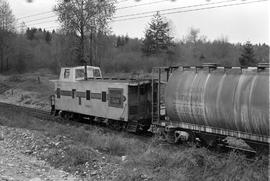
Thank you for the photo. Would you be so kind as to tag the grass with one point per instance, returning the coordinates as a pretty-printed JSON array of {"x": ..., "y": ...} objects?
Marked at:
[
  {"x": 84, "y": 146},
  {"x": 152, "y": 161},
  {"x": 193, "y": 164}
]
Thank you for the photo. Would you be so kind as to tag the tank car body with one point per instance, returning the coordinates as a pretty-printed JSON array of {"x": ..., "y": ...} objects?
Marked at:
[
  {"x": 104, "y": 99},
  {"x": 226, "y": 102}
]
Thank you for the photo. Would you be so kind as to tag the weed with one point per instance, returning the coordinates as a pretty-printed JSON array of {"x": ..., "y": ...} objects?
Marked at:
[{"x": 145, "y": 160}]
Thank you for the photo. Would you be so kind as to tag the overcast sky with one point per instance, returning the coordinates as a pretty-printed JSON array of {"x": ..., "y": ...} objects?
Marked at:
[{"x": 241, "y": 23}]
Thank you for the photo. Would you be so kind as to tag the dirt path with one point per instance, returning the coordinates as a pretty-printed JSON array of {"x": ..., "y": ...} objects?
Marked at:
[{"x": 15, "y": 165}]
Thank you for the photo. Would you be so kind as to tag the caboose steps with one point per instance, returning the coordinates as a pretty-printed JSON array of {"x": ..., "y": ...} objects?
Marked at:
[{"x": 132, "y": 126}]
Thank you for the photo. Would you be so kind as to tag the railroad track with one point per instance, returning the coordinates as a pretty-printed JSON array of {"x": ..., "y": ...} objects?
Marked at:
[
  {"x": 38, "y": 113},
  {"x": 86, "y": 124},
  {"x": 3, "y": 88},
  {"x": 46, "y": 115}
]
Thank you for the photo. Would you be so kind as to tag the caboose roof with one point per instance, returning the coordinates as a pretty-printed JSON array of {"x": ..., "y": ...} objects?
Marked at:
[
  {"x": 130, "y": 82},
  {"x": 80, "y": 67}
]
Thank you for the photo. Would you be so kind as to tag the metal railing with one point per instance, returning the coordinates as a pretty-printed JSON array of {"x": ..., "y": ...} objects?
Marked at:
[{"x": 158, "y": 80}]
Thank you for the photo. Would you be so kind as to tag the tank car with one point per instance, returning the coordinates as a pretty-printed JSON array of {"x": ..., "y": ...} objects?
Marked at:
[{"x": 211, "y": 103}]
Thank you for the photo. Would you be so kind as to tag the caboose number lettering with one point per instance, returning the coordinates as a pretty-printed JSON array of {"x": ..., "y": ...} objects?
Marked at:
[{"x": 116, "y": 97}]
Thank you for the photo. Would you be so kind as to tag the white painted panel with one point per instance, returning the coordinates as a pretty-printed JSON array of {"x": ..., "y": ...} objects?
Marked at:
[{"x": 93, "y": 107}]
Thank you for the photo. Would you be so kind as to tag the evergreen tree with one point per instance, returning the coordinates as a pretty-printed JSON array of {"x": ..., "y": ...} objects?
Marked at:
[
  {"x": 30, "y": 33},
  {"x": 48, "y": 37},
  {"x": 126, "y": 39},
  {"x": 247, "y": 57},
  {"x": 119, "y": 42},
  {"x": 157, "y": 36}
]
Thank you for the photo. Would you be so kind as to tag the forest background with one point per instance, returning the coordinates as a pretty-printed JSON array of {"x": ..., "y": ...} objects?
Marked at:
[{"x": 27, "y": 49}]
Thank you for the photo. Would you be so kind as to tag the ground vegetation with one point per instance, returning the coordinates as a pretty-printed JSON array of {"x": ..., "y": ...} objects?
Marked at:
[{"x": 95, "y": 154}]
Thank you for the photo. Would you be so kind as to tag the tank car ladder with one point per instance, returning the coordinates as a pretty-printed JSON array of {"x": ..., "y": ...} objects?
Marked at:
[
  {"x": 155, "y": 97},
  {"x": 156, "y": 91}
]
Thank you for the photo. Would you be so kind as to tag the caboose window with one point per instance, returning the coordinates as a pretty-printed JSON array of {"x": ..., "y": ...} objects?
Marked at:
[
  {"x": 73, "y": 93},
  {"x": 79, "y": 73},
  {"x": 96, "y": 73},
  {"x": 58, "y": 92},
  {"x": 66, "y": 73},
  {"x": 88, "y": 93},
  {"x": 103, "y": 97}
]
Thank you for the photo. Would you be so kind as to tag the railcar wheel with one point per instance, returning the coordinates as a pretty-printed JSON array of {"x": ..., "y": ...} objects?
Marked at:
[
  {"x": 56, "y": 112},
  {"x": 63, "y": 114},
  {"x": 66, "y": 115},
  {"x": 161, "y": 134},
  {"x": 144, "y": 128},
  {"x": 143, "y": 125},
  {"x": 116, "y": 125},
  {"x": 170, "y": 135},
  {"x": 209, "y": 141},
  {"x": 77, "y": 117}
]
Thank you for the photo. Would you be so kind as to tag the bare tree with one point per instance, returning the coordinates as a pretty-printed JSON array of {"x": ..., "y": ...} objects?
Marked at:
[
  {"x": 85, "y": 18},
  {"x": 7, "y": 21},
  {"x": 222, "y": 47},
  {"x": 193, "y": 35}
]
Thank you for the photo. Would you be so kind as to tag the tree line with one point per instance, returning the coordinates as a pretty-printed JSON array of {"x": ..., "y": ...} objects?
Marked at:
[{"x": 85, "y": 37}]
